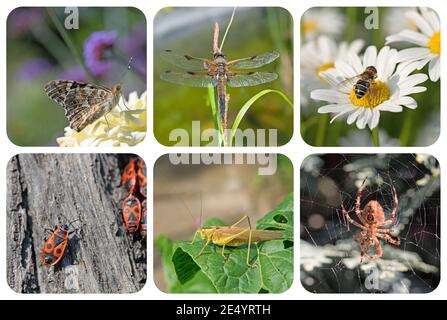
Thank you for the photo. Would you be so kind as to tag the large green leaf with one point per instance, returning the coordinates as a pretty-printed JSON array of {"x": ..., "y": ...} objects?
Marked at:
[{"x": 273, "y": 259}]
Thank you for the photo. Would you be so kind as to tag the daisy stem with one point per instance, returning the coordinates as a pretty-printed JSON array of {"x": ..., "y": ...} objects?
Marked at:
[
  {"x": 375, "y": 136},
  {"x": 405, "y": 132},
  {"x": 70, "y": 44},
  {"x": 321, "y": 131}
]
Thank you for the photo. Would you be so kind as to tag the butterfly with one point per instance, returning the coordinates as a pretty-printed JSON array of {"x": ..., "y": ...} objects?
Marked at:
[{"x": 83, "y": 102}]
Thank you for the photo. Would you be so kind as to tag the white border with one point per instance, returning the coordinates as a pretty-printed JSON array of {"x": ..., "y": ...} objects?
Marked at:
[{"x": 150, "y": 149}]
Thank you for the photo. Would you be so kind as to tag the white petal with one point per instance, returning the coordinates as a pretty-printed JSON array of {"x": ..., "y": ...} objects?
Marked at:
[
  {"x": 370, "y": 57},
  {"x": 363, "y": 118},
  {"x": 413, "y": 80},
  {"x": 329, "y": 95},
  {"x": 408, "y": 36},
  {"x": 389, "y": 106},
  {"x": 434, "y": 69},
  {"x": 412, "y": 90},
  {"x": 345, "y": 69},
  {"x": 408, "y": 102},
  {"x": 421, "y": 23},
  {"x": 334, "y": 108},
  {"x": 347, "y": 110},
  {"x": 353, "y": 116},
  {"x": 327, "y": 48},
  {"x": 413, "y": 54},
  {"x": 374, "y": 119},
  {"x": 432, "y": 18}
]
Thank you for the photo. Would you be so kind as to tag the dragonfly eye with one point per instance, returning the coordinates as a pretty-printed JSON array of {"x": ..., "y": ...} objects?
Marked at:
[{"x": 219, "y": 54}]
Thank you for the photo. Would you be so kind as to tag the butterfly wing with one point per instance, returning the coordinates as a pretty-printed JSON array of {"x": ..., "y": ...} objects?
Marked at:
[{"x": 83, "y": 103}]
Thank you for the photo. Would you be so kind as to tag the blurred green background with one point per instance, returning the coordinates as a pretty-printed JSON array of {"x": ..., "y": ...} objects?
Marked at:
[
  {"x": 419, "y": 127},
  {"x": 37, "y": 53},
  {"x": 254, "y": 30}
]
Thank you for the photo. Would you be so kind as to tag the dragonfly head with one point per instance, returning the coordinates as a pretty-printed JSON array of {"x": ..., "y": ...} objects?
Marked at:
[{"x": 219, "y": 54}]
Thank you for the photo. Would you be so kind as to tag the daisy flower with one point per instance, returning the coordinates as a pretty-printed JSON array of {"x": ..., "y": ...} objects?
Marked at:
[
  {"x": 428, "y": 40},
  {"x": 319, "y": 55},
  {"x": 396, "y": 20},
  {"x": 316, "y": 21},
  {"x": 390, "y": 91},
  {"x": 123, "y": 127}
]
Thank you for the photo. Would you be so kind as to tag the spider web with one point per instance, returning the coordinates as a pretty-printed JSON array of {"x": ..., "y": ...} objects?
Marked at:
[{"x": 330, "y": 258}]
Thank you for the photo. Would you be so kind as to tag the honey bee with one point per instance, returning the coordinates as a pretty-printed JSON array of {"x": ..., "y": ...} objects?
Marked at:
[{"x": 362, "y": 82}]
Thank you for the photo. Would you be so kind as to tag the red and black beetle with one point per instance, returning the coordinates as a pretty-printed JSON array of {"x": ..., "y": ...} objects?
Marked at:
[
  {"x": 142, "y": 179},
  {"x": 143, "y": 224},
  {"x": 55, "y": 245},
  {"x": 129, "y": 177},
  {"x": 132, "y": 213}
]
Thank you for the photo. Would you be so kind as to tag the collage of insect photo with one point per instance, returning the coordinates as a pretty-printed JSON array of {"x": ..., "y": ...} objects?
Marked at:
[{"x": 174, "y": 153}]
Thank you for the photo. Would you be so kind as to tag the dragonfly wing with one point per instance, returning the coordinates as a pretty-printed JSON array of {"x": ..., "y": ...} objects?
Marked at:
[
  {"x": 254, "y": 61},
  {"x": 192, "y": 79},
  {"x": 186, "y": 61},
  {"x": 250, "y": 79}
]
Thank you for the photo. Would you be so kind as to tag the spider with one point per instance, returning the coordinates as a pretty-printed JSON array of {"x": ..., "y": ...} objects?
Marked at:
[{"x": 372, "y": 219}]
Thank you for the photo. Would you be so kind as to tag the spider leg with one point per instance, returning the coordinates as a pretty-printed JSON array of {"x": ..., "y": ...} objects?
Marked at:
[
  {"x": 358, "y": 211},
  {"x": 390, "y": 230},
  {"x": 393, "y": 213},
  {"x": 378, "y": 249},
  {"x": 350, "y": 220},
  {"x": 389, "y": 239}
]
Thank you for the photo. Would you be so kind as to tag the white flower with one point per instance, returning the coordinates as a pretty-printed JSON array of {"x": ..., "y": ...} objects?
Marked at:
[
  {"x": 428, "y": 40},
  {"x": 125, "y": 125},
  {"x": 356, "y": 138},
  {"x": 316, "y": 21},
  {"x": 319, "y": 55},
  {"x": 389, "y": 92},
  {"x": 396, "y": 20}
]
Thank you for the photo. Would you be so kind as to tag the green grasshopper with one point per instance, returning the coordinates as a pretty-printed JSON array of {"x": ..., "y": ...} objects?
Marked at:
[{"x": 234, "y": 236}]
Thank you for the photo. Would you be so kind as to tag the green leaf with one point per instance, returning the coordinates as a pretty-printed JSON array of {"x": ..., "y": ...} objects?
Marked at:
[
  {"x": 199, "y": 283},
  {"x": 281, "y": 218},
  {"x": 273, "y": 259}
]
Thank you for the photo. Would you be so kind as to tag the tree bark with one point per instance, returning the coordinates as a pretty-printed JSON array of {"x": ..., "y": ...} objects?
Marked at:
[{"x": 45, "y": 190}]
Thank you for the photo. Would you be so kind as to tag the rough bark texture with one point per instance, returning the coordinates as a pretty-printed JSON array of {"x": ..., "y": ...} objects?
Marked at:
[{"x": 53, "y": 189}]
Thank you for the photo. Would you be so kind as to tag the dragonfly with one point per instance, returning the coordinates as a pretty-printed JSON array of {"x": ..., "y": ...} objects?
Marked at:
[{"x": 218, "y": 72}]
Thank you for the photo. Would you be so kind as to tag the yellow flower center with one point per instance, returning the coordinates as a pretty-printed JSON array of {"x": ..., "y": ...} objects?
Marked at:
[
  {"x": 434, "y": 44},
  {"x": 310, "y": 26},
  {"x": 324, "y": 67},
  {"x": 377, "y": 93}
]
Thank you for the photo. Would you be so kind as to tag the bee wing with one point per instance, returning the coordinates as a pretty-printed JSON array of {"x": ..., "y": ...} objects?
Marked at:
[{"x": 347, "y": 84}]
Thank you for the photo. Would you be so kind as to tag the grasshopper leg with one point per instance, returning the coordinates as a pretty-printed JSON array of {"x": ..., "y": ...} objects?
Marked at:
[
  {"x": 223, "y": 253},
  {"x": 203, "y": 249}
]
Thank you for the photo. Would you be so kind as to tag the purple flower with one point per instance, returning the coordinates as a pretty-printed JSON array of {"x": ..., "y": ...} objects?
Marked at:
[
  {"x": 22, "y": 20},
  {"x": 76, "y": 73},
  {"x": 134, "y": 45},
  {"x": 97, "y": 51},
  {"x": 34, "y": 67}
]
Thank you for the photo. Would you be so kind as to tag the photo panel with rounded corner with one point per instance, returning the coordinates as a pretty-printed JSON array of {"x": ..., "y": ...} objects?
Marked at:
[
  {"x": 224, "y": 80},
  {"x": 76, "y": 76},
  {"x": 370, "y": 76},
  {"x": 370, "y": 223},
  {"x": 223, "y": 223},
  {"x": 76, "y": 223}
]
